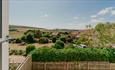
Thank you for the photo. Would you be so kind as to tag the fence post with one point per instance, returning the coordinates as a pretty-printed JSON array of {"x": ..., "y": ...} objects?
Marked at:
[
  {"x": 67, "y": 65},
  {"x": 87, "y": 65},
  {"x": 45, "y": 66}
]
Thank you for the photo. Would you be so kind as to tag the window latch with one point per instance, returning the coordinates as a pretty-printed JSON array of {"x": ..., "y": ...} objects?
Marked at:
[{"x": 6, "y": 39}]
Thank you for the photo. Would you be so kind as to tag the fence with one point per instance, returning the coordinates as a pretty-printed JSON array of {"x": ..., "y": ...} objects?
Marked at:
[
  {"x": 26, "y": 65},
  {"x": 82, "y": 65},
  {"x": 73, "y": 65}
]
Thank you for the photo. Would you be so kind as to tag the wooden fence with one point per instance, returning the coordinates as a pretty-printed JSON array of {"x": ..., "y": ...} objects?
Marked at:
[
  {"x": 26, "y": 65},
  {"x": 82, "y": 65},
  {"x": 73, "y": 66}
]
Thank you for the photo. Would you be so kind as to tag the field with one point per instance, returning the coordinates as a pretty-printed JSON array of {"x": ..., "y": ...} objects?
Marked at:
[
  {"x": 26, "y": 39},
  {"x": 18, "y": 31}
]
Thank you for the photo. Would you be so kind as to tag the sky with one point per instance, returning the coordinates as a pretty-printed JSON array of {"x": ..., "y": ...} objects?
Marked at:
[{"x": 61, "y": 14}]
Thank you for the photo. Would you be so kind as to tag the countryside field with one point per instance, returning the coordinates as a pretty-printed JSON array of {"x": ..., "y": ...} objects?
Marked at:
[{"x": 63, "y": 44}]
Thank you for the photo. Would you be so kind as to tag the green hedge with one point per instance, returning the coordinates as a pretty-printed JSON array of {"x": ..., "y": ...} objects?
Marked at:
[{"x": 75, "y": 54}]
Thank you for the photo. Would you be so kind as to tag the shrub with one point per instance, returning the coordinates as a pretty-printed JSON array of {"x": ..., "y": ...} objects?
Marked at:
[
  {"x": 43, "y": 40},
  {"x": 16, "y": 52},
  {"x": 70, "y": 54},
  {"x": 29, "y": 37},
  {"x": 54, "y": 39},
  {"x": 23, "y": 38},
  {"x": 38, "y": 34},
  {"x": 59, "y": 44},
  {"x": 29, "y": 48},
  {"x": 12, "y": 40},
  {"x": 45, "y": 34},
  {"x": 18, "y": 40},
  {"x": 63, "y": 39}
]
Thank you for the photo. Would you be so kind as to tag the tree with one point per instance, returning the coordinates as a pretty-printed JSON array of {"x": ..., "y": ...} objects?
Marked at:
[{"x": 105, "y": 33}]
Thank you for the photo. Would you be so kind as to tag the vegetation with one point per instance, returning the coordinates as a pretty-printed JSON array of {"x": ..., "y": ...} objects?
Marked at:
[
  {"x": 18, "y": 40},
  {"x": 16, "y": 52},
  {"x": 59, "y": 44},
  {"x": 45, "y": 54},
  {"x": 105, "y": 33},
  {"x": 29, "y": 48},
  {"x": 43, "y": 40}
]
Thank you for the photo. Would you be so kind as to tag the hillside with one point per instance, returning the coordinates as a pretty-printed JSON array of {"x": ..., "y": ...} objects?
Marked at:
[{"x": 16, "y": 31}]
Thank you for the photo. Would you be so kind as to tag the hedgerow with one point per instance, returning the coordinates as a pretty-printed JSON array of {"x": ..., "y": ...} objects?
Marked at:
[{"x": 73, "y": 54}]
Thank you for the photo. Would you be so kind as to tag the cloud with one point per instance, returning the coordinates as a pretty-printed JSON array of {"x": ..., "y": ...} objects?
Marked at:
[
  {"x": 93, "y": 16},
  {"x": 113, "y": 12},
  {"x": 95, "y": 20},
  {"x": 103, "y": 14},
  {"x": 105, "y": 11}
]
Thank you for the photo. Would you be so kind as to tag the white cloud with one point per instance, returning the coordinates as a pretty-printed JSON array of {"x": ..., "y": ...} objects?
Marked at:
[
  {"x": 105, "y": 11},
  {"x": 102, "y": 15},
  {"x": 93, "y": 16},
  {"x": 95, "y": 20},
  {"x": 75, "y": 17},
  {"x": 113, "y": 12}
]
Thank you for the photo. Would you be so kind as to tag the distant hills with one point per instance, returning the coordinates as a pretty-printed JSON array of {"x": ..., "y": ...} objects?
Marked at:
[{"x": 14, "y": 27}]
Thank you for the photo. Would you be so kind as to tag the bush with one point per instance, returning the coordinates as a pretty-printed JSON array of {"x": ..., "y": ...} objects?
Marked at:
[
  {"x": 70, "y": 54},
  {"x": 18, "y": 40},
  {"x": 54, "y": 39},
  {"x": 16, "y": 52},
  {"x": 29, "y": 37},
  {"x": 38, "y": 34},
  {"x": 43, "y": 40},
  {"x": 23, "y": 38},
  {"x": 45, "y": 34},
  {"x": 59, "y": 44},
  {"x": 29, "y": 48},
  {"x": 63, "y": 39}
]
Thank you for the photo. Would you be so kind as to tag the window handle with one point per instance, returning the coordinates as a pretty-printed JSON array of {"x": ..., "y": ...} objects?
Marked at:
[{"x": 6, "y": 39}]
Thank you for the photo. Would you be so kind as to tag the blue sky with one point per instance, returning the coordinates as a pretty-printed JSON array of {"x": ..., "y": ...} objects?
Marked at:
[{"x": 64, "y": 14}]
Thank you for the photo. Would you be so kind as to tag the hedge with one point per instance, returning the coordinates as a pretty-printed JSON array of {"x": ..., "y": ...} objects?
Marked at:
[{"x": 73, "y": 54}]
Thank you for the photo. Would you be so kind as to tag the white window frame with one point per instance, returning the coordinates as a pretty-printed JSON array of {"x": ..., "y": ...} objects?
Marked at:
[{"x": 4, "y": 63}]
